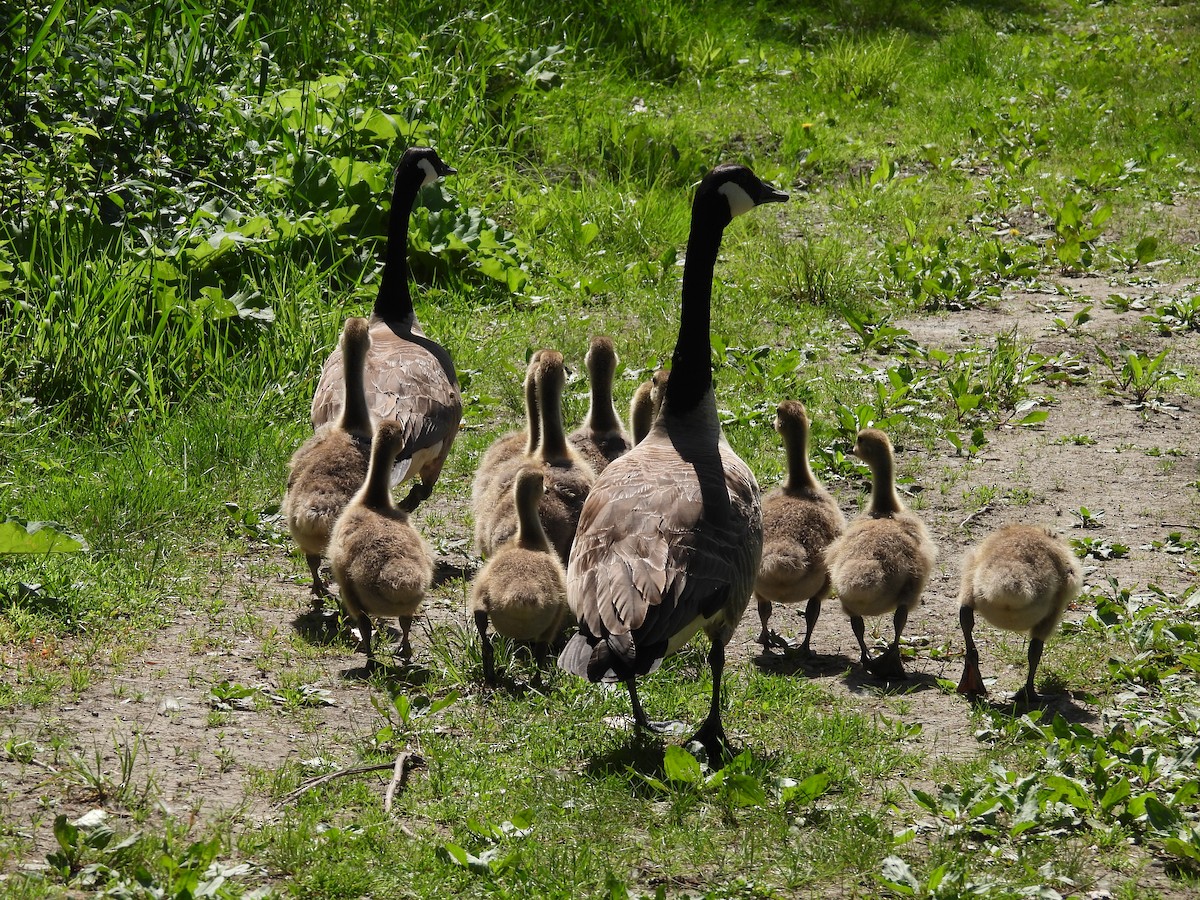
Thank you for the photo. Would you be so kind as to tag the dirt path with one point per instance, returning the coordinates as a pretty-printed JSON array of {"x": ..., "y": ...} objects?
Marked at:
[{"x": 1136, "y": 471}]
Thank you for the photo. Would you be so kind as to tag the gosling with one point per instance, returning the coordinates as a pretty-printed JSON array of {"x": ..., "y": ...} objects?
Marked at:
[
  {"x": 800, "y": 519},
  {"x": 381, "y": 563},
  {"x": 882, "y": 561},
  {"x": 523, "y": 587},
  {"x": 328, "y": 468},
  {"x": 1021, "y": 578}
]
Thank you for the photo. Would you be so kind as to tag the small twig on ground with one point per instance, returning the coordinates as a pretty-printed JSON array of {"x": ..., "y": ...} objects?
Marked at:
[
  {"x": 412, "y": 761},
  {"x": 32, "y": 761},
  {"x": 986, "y": 508},
  {"x": 404, "y": 762}
]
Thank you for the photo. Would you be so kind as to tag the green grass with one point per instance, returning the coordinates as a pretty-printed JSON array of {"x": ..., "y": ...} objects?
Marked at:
[{"x": 195, "y": 199}]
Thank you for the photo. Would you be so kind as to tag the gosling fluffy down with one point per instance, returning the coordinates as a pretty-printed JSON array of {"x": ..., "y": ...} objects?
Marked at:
[
  {"x": 382, "y": 565},
  {"x": 883, "y": 560},
  {"x": 329, "y": 468},
  {"x": 523, "y": 588},
  {"x": 800, "y": 519},
  {"x": 1021, "y": 578}
]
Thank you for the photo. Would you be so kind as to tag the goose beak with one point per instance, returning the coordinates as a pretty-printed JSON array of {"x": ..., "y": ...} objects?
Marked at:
[
  {"x": 445, "y": 170},
  {"x": 772, "y": 195}
]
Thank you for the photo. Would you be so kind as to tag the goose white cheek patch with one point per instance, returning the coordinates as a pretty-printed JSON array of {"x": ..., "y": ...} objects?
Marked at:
[
  {"x": 737, "y": 198},
  {"x": 431, "y": 174}
]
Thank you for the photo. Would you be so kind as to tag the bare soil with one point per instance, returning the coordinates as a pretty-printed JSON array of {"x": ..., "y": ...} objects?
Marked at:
[{"x": 1137, "y": 473}]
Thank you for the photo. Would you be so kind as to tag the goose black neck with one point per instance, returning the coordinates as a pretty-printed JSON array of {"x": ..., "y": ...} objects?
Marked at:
[
  {"x": 394, "y": 302},
  {"x": 691, "y": 363}
]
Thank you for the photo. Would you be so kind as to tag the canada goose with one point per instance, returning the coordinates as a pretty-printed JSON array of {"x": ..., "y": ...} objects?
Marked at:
[
  {"x": 643, "y": 407},
  {"x": 671, "y": 534},
  {"x": 329, "y": 468},
  {"x": 568, "y": 477},
  {"x": 800, "y": 519},
  {"x": 409, "y": 378},
  {"x": 502, "y": 460},
  {"x": 1020, "y": 579},
  {"x": 523, "y": 586},
  {"x": 601, "y": 439},
  {"x": 381, "y": 563},
  {"x": 882, "y": 560}
]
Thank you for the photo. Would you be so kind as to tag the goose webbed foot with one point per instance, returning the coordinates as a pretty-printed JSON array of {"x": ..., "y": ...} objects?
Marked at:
[
  {"x": 641, "y": 720},
  {"x": 711, "y": 736},
  {"x": 669, "y": 728},
  {"x": 971, "y": 684},
  {"x": 1026, "y": 696},
  {"x": 887, "y": 664},
  {"x": 773, "y": 640}
]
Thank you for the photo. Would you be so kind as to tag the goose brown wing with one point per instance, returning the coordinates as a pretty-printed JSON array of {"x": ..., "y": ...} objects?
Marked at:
[
  {"x": 403, "y": 381},
  {"x": 660, "y": 543}
]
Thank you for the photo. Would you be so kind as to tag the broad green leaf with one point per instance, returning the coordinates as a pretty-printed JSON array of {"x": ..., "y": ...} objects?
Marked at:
[
  {"x": 744, "y": 790},
  {"x": 36, "y": 537},
  {"x": 1116, "y": 793},
  {"x": 655, "y": 783},
  {"x": 1146, "y": 249},
  {"x": 817, "y": 784},
  {"x": 1188, "y": 848},
  {"x": 681, "y": 766}
]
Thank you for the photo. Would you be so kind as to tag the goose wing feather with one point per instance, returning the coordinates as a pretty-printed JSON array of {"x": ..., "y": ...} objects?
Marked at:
[
  {"x": 652, "y": 557},
  {"x": 404, "y": 380}
]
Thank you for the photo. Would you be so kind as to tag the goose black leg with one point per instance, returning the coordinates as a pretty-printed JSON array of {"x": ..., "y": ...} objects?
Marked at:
[
  {"x": 889, "y": 665},
  {"x": 971, "y": 683},
  {"x": 485, "y": 643},
  {"x": 811, "y": 613},
  {"x": 1029, "y": 694},
  {"x": 712, "y": 733}
]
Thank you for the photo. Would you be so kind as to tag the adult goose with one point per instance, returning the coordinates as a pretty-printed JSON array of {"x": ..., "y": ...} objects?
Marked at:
[
  {"x": 601, "y": 438},
  {"x": 670, "y": 537},
  {"x": 409, "y": 378},
  {"x": 883, "y": 560},
  {"x": 327, "y": 470},
  {"x": 1020, "y": 579}
]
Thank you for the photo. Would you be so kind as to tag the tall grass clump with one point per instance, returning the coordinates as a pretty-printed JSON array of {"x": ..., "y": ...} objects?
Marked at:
[{"x": 862, "y": 70}]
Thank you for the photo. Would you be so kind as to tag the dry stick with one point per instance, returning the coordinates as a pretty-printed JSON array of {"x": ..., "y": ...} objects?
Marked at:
[
  {"x": 32, "y": 761},
  {"x": 356, "y": 770},
  {"x": 986, "y": 508},
  {"x": 404, "y": 762}
]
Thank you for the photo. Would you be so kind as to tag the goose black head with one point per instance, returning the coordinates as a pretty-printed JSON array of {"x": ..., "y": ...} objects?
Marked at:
[
  {"x": 424, "y": 160},
  {"x": 739, "y": 189}
]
